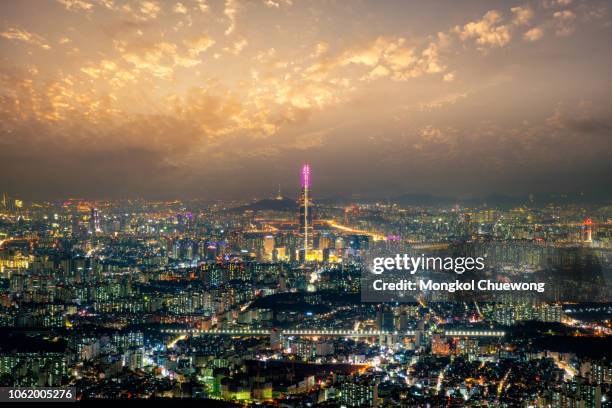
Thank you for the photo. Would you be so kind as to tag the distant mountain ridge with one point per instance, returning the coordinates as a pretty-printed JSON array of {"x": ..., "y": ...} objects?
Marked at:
[
  {"x": 428, "y": 200},
  {"x": 269, "y": 204},
  {"x": 500, "y": 200}
]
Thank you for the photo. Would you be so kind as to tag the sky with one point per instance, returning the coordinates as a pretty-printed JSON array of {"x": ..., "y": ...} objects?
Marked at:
[{"x": 228, "y": 98}]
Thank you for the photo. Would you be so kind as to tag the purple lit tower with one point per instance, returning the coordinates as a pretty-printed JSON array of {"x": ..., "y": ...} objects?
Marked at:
[{"x": 305, "y": 211}]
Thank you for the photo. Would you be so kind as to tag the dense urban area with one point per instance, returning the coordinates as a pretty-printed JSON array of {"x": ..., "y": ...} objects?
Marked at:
[{"x": 259, "y": 302}]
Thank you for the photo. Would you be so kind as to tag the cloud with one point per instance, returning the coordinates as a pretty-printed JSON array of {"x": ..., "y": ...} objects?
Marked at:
[
  {"x": 149, "y": 9},
  {"x": 533, "y": 34},
  {"x": 522, "y": 15},
  {"x": 487, "y": 31},
  {"x": 581, "y": 118},
  {"x": 179, "y": 8},
  {"x": 108, "y": 4},
  {"x": 153, "y": 58},
  {"x": 449, "y": 77},
  {"x": 159, "y": 59},
  {"x": 564, "y": 22},
  {"x": 565, "y": 15},
  {"x": 199, "y": 45},
  {"x": 540, "y": 149},
  {"x": 154, "y": 79},
  {"x": 277, "y": 3},
  {"x": 320, "y": 48},
  {"x": 370, "y": 54},
  {"x": 202, "y": 5},
  {"x": 378, "y": 72},
  {"x": 18, "y": 34},
  {"x": 306, "y": 95},
  {"x": 266, "y": 56},
  {"x": 142, "y": 11},
  {"x": 440, "y": 102},
  {"x": 85, "y": 128},
  {"x": 237, "y": 46},
  {"x": 231, "y": 11},
  {"x": 392, "y": 57},
  {"x": 76, "y": 5}
]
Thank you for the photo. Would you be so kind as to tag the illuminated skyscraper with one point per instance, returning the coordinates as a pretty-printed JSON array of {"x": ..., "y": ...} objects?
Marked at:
[
  {"x": 305, "y": 210},
  {"x": 94, "y": 221},
  {"x": 268, "y": 246},
  {"x": 588, "y": 230}
]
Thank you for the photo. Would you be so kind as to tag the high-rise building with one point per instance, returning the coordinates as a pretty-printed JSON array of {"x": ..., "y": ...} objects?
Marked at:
[
  {"x": 588, "y": 230},
  {"x": 359, "y": 393},
  {"x": 577, "y": 393},
  {"x": 94, "y": 221},
  {"x": 306, "y": 211},
  {"x": 268, "y": 247}
]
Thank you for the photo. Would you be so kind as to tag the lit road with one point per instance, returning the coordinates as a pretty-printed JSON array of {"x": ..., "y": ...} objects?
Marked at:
[
  {"x": 374, "y": 235},
  {"x": 500, "y": 387},
  {"x": 441, "y": 378},
  {"x": 176, "y": 340},
  {"x": 570, "y": 372}
]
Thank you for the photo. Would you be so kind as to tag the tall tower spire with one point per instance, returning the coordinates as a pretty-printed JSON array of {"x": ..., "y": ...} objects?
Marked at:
[
  {"x": 279, "y": 196},
  {"x": 305, "y": 210}
]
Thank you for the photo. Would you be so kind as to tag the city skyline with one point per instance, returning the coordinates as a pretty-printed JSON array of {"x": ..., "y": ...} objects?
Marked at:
[
  {"x": 260, "y": 304},
  {"x": 224, "y": 99},
  {"x": 306, "y": 203}
]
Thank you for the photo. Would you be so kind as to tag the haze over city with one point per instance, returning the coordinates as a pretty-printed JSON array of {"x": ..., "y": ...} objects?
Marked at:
[{"x": 226, "y": 99}]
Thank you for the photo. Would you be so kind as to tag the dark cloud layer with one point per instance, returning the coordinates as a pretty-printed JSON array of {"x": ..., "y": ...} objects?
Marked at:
[{"x": 218, "y": 99}]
